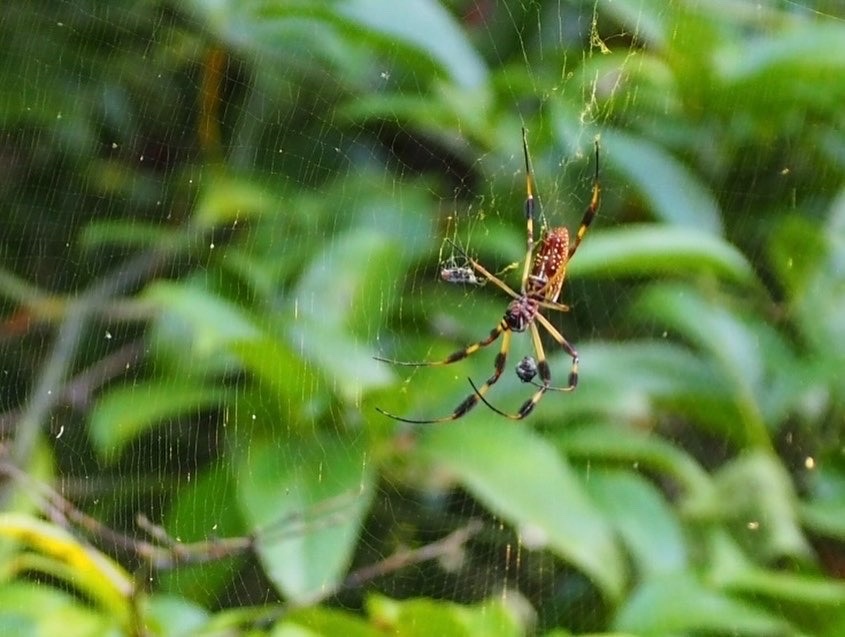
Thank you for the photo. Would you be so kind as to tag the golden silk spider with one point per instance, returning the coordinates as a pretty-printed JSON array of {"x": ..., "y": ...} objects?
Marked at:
[{"x": 542, "y": 280}]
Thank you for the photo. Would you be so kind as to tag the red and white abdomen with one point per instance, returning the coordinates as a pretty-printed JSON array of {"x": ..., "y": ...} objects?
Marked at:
[{"x": 549, "y": 269}]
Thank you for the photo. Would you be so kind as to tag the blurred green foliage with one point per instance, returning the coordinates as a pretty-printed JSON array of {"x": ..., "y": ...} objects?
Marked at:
[{"x": 217, "y": 213}]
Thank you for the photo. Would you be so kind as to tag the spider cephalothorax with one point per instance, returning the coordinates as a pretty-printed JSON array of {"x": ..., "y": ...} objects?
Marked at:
[
  {"x": 542, "y": 281},
  {"x": 520, "y": 313}
]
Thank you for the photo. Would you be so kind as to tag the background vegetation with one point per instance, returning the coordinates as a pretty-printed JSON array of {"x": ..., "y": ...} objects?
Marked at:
[{"x": 216, "y": 213}]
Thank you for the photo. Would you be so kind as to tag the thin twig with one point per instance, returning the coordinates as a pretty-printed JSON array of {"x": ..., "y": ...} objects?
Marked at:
[
  {"x": 46, "y": 391},
  {"x": 448, "y": 545},
  {"x": 169, "y": 553},
  {"x": 165, "y": 552},
  {"x": 78, "y": 390}
]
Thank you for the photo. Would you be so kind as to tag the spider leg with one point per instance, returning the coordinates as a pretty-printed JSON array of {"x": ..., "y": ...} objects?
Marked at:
[
  {"x": 454, "y": 357},
  {"x": 545, "y": 374},
  {"x": 568, "y": 388},
  {"x": 559, "y": 307},
  {"x": 470, "y": 401},
  {"x": 493, "y": 278},
  {"x": 526, "y": 371},
  {"x": 530, "y": 213},
  {"x": 529, "y": 210},
  {"x": 592, "y": 208},
  {"x": 573, "y": 370},
  {"x": 542, "y": 368}
]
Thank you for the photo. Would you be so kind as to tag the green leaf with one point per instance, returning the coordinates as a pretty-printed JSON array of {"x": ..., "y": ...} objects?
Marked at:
[
  {"x": 336, "y": 289},
  {"x": 453, "y": 108},
  {"x": 671, "y": 191},
  {"x": 642, "y": 518},
  {"x": 297, "y": 389},
  {"x": 307, "y": 498},
  {"x": 342, "y": 360},
  {"x": 825, "y": 518},
  {"x": 824, "y": 511},
  {"x": 811, "y": 591},
  {"x": 808, "y": 258},
  {"x": 733, "y": 344},
  {"x": 37, "y": 609},
  {"x": 333, "y": 302},
  {"x": 56, "y": 553},
  {"x": 613, "y": 444},
  {"x": 682, "y": 605},
  {"x": 797, "y": 249},
  {"x": 732, "y": 571},
  {"x": 420, "y": 29},
  {"x": 756, "y": 364},
  {"x": 134, "y": 233},
  {"x": 758, "y": 495},
  {"x": 762, "y": 70},
  {"x": 521, "y": 478},
  {"x": 644, "y": 19},
  {"x": 637, "y": 381},
  {"x": 125, "y": 412},
  {"x": 173, "y": 616},
  {"x": 708, "y": 324},
  {"x": 655, "y": 249},
  {"x": 225, "y": 199},
  {"x": 423, "y": 617},
  {"x": 205, "y": 323},
  {"x": 424, "y": 25},
  {"x": 323, "y": 622}
]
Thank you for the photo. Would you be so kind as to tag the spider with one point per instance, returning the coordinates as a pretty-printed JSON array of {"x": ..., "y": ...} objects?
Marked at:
[{"x": 542, "y": 280}]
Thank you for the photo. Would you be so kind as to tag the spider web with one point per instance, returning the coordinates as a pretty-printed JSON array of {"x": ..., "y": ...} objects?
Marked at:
[{"x": 217, "y": 213}]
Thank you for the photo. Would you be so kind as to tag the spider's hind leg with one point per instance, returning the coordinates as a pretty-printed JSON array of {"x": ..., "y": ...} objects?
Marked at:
[
  {"x": 454, "y": 357},
  {"x": 542, "y": 369},
  {"x": 472, "y": 400}
]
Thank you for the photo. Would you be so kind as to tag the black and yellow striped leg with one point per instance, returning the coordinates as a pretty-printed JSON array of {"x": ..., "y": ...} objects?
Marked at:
[
  {"x": 573, "y": 369},
  {"x": 592, "y": 208},
  {"x": 472, "y": 400},
  {"x": 530, "y": 211},
  {"x": 542, "y": 369},
  {"x": 454, "y": 357}
]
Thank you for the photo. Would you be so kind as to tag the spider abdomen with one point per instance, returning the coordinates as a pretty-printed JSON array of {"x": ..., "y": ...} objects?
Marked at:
[{"x": 549, "y": 269}]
